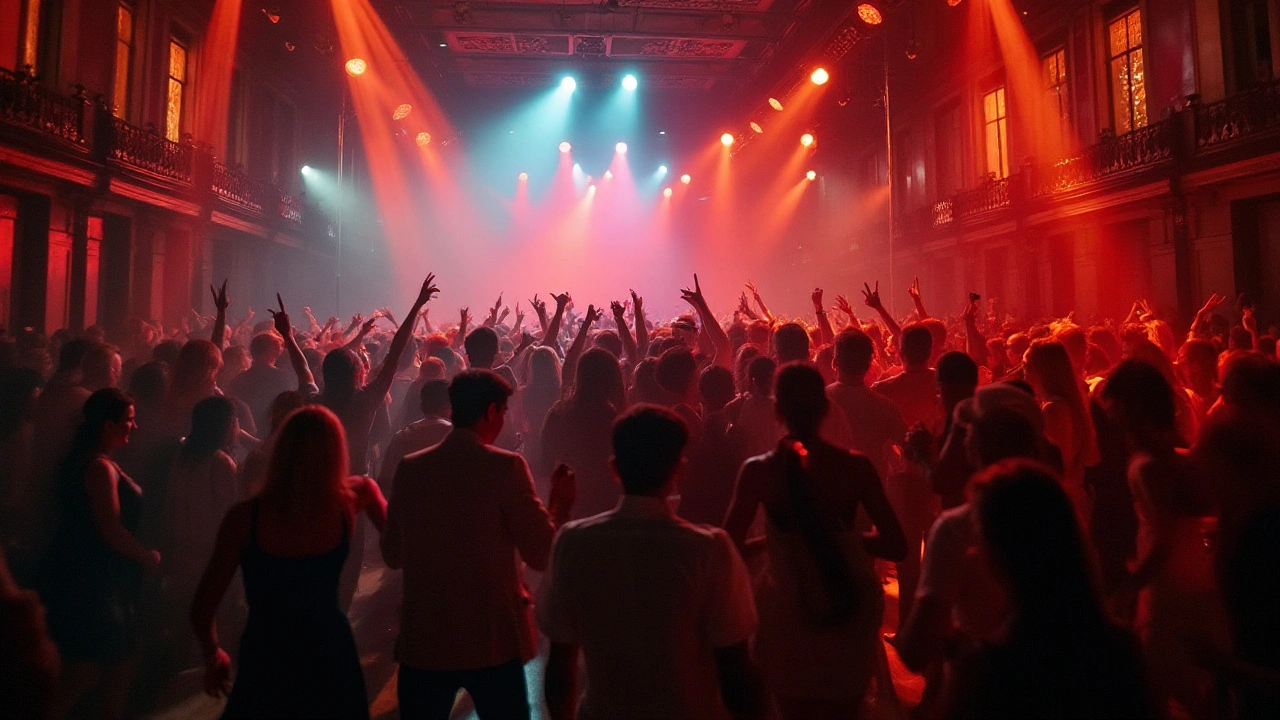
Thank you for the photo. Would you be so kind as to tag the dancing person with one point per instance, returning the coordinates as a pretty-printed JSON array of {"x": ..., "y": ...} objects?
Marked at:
[
  {"x": 459, "y": 514},
  {"x": 576, "y": 431},
  {"x": 660, "y": 608},
  {"x": 297, "y": 656},
  {"x": 821, "y": 599},
  {"x": 96, "y": 562},
  {"x": 258, "y": 385},
  {"x": 1059, "y": 654},
  {"x": 538, "y": 394},
  {"x": 433, "y": 399},
  {"x": 1067, "y": 422},
  {"x": 875, "y": 421}
]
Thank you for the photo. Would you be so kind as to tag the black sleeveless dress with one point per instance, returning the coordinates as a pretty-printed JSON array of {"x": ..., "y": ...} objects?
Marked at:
[
  {"x": 90, "y": 591},
  {"x": 297, "y": 655}
]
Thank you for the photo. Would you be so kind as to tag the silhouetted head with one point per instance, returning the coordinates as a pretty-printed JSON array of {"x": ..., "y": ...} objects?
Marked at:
[
  {"x": 434, "y": 400},
  {"x": 715, "y": 387},
  {"x": 213, "y": 428},
  {"x": 265, "y": 348},
  {"x": 790, "y": 343},
  {"x": 648, "y": 449},
  {"x": 308, "y": 468},
  {"x": 915, "y": 345},
  {"x": 854, "y": 351},
  {"x": 478, "y": 401},
  {"x": 800, "y": 399},
  {"x": 677, "y": 369},
  {"x": 482, "y": 347},
  {"x": 598, "y": 380}
]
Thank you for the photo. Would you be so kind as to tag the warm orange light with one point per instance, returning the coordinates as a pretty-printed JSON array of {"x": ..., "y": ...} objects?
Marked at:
[
  {"x": 811, "y": 175},
  {"x": 523, "y": 177},
  {"x": 666, "y": 192},
  {"x": 356, "y": 67},
  {"x": 869, "y": 14},
  {"x": 953, "y": 3},
  {"x": 686, "y": 179},
  {"x": 726, "y": 139},
  {"x": 775, "y": 104},
  {"x": 755, "y": 127},
  {"x": 807, "y": 139},
  {"x": 565, "y": 147},
  {"x": 423, "y": 139},
  {"x": 820, "y": 76},
  {"x": 402, "y": 112}
]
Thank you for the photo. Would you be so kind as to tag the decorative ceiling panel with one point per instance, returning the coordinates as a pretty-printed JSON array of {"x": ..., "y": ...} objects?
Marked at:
[
  {"x": 675, "y": 48},
  {"x": 507, "y": 43}
]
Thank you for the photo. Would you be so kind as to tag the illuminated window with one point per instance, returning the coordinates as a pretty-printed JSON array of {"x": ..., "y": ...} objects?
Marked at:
[
  {"x": 177, "y": 90},
  {"x": 124, "y": 60},
  {"x": 31, "y": 33},
  {"x": 995, "y": 120},
  {"x": 1055, "y": 81},
  {"x": 1128, "y": 76}
]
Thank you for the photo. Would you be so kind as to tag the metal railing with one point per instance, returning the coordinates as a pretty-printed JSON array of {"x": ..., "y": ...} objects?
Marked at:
[
  {"x": 146, "y": 150},
  {"x": 1251, "y": 112},
  {"x": 236, "y": 187},
  {"x": 25, "y": 101}
]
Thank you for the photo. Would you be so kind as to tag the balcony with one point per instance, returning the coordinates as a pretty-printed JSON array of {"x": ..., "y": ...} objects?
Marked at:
[
  {"x": 86, "y": 128},
  {"x": 1195, "y": 137}
]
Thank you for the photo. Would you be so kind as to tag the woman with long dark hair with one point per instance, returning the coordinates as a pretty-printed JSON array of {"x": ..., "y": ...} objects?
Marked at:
[
  {"x": 1067, "y": 422},
  {"x": 536, "y": 398},
  {"x": 96, "y": 562},
  {"x": 1059, "y": 655},
  {"x": 297, "y": 656},
  {"x": 820, "y": 602},
  {"x": 577, "y": 431}
]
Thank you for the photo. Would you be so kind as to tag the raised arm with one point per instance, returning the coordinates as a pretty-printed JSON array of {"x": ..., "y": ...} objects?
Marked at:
[
  {"x": 764, "y": 311},
  {"x": 220, "y": 321},
  {"x": 975, "y": 343},
  {"x": 464, "y": 319},
  {"x": 540, "y": 308},
  {"x": 365, "y": 328},
  {"x": 872, "y": 299},
  {"x": 716, "y": 334},
  {"x": 642, "y": 327},
  {"x": 387, "y": 372},
  {"x": 844, "y": 306},
  {"x": 914, "y": 290},
  {"x": 824, "y": 324},
  {"x": 306, "y": 381},
  {"x": 553, "y": 328},
  {"x": 492, "y": 320},
  {"x": 624, "y": 332},
  {"x": 578, "y": 345}
]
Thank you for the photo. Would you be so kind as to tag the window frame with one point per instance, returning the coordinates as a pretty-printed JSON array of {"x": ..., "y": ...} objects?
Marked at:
[
  {"x": 174, "y": 134},
  {"x": 1136, "y": 120},
  {"x": 1001, "y": 123},
  {"x": 122, "y": 92}
]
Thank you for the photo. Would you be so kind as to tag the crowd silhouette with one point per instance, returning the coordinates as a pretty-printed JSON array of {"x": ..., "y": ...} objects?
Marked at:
[{"x": 685, "y": 517}]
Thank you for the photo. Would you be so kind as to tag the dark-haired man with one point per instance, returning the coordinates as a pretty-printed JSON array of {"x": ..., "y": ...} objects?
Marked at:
[
  {"x": 459, "y": 513},
  {"x": 661, "y": 609},
  {"x": 263, "y": 381}
]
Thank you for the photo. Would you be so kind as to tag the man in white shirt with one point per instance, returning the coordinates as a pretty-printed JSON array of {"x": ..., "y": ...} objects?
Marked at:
[{"x": 661, "y": 609}]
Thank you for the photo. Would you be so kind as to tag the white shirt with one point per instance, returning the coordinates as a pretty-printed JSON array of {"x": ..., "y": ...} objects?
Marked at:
[{"x": 648, "y": 596}]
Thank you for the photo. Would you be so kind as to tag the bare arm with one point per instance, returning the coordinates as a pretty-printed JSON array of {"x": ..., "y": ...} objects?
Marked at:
[
  {"x": 370, "y": 500},
  {"x": 220, "y": 321},
  {"x": 642, "y": 328},
  {"x": 872, "y": 299},
  {"x": 764, "y": 311},
  {"x": 887, "y": 540},
  {"x": 975, "y": 343},
  {"x": 387, "y": 372},
  {"x": 300, "y": 368},
  {"x": 914, "y": 290},
  {"x": 746, "y": 498},
  {"x": 553, "y": 328},
  {"x": 576, "y": 348},
  {"x": 624, "y": 332},
  {"x": 824, "y": 325},
  {"x": 100, "y": 485},
  {"x": 354, "y": 344},
  {"x": 719, "y": 340},
  {"x": 233, "y": 538}
]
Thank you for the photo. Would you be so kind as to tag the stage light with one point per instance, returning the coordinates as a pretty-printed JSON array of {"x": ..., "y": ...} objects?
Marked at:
[
  {"x": 273, "y": 14},
  {"x": 620, "y": 148},
  {"x": 591, "y": 189},
  {"x": 686, "y": 179},
  {"x": 662, "y": 132},
  {"x": 953, "y": 3},
  {"x": 775, "y": 104},
  {"x": 523, "y": 176},
  {"x": 820, "y": 76},
  {"x": 726, "y": 139},
  {"x": 630, "y": 82},
  {"x": 356, "y": 67},
  {"x": 811, "y": 175},
  {"x": 807, "y": 139},
  {"x": 565, "y": 147},
  {"x": 608, "y": 174},
  {"x": 666, "y": 192},
  {"x": 402, "y": 111},
  {"x": 444, "y": 45},
  {"x": 755, "y": 127},
  {"x": 569, "y": 84},
  {"x": 306, "y": 169},
  {"x": 662, "y": 169},
  {"x": 869, "y": 14},
  {"x": 423, "y": 139}
]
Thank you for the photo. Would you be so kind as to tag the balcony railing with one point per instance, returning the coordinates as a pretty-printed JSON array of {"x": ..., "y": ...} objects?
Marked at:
[
  {"x": 290, "y": 208},
  {"x": 236, "y": 187},
  {"x": 27, "y": 102},
  {"x": 991, "y": 195},
  {"x": 1251, "y": 112},
  {"x": 148, "y": 151},
  {"x": 1112, "y": 156}
]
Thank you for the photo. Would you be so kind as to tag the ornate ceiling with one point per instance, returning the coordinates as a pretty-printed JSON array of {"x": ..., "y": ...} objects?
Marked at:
[{"x": 669, "y": 44}]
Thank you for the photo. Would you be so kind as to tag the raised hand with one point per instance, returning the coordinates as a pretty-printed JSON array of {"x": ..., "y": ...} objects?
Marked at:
[
  {"x": 842, "y": 303},
  {"x": 429, "y": 289},
  {"x": 281, "y": 319},
  {"x": 538, "y": 306},
  {"x": 872, "y": 297},
  {"x": 217, "y": 674},
  {"x": 562, "y": 299},
  {"x": 970, "y": 312},
  {"x": 816, "y": 297},
  {"x": 503, "y": 315},
  {"x": 591, "y": 316},
  {"x": 694, "y": 296},
  {"x": 1247, "y": 319},
  {"x": 464, "y": 317},
  {"x": 519, "y": 315},
  {"x": 220, "y": 300},
  {"x": 368, "y": 324},
  {"x": 743, "y": 307},
  {"x": 618, "y": 310},
  {"x": 914, "y": 289},
  {"x": 637, "y": 302}
]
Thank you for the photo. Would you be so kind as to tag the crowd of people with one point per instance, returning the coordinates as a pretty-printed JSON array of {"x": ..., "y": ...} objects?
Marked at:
[{"x": 689, "y": 517}]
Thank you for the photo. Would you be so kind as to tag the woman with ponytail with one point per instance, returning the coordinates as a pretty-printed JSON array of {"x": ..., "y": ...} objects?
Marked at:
[{"x": 820, "y": 599}]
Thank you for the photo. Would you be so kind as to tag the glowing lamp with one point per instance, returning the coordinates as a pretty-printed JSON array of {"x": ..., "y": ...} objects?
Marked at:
[
  {"x": 869, "y": 14},
  {"x": 423, "y": 139},
  {"x": 776, "y": 104},
  {"x": 807, "y": 139},
  {"x": 306, "y": 169},
  {"x": 819, "y": 76},
  {"x": 608, "y": 174},
  {"x": 356, "y": 67},
  {"x": 686, "y": 179},
  {"x": 811, "y": 175},
  {"x": 755, "y": 128},
  {"x": 565, "y": 147},
  {"x": 568, "y": 84},
  {"x": 620, "y": 148},
  {"x": 662, "y": 169},
  {"x": 630, "y": 83},
  {"x": 402, "y": 111},
  {"x": 726, "y": 139},
  {"x": 523, "y": 176},
  {"x": 666, "y": 192},
  {"x": 591, "y": 189}
]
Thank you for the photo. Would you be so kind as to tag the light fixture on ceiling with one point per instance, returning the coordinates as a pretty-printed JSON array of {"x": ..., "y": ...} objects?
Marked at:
[
  {"x": 870, "y": 14},
  {"x": 356, "y": 67},
  {"x": 776, "y": 104},
  {"x": 272, "y": 13}
]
